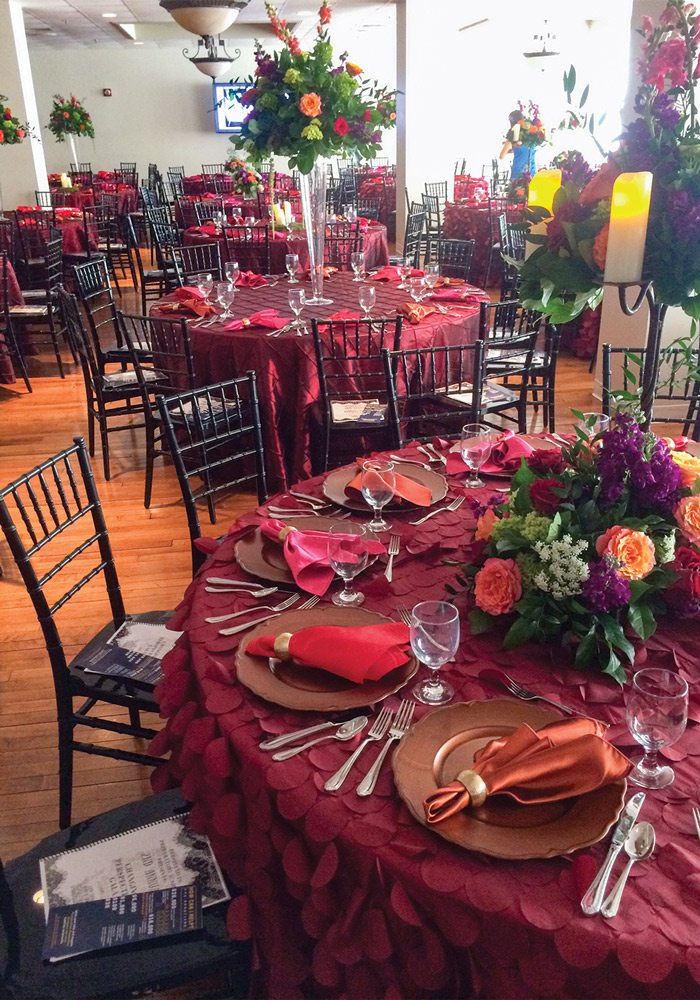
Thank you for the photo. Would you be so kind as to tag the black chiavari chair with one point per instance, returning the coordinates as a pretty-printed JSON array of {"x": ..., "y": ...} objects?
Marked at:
[
  {"x": 433, "y": 223},
  {"x": 151, "y": 281},
  {"x": 189, "y": 261},
  {"x": 44, "y": 199},
  {"x": 42, "y": 315},
  {"x": 95, "y": 294},
  {"x": 213, "y": 168},
  {"x": 9, "y": 343},
  {"x": 455, "y": 258},
  {"x": 250, "y": 246},
  {"x": 204, "y": 211},
  {"x": 343, "y": 239},
  {"x": 413, "y": 235}
]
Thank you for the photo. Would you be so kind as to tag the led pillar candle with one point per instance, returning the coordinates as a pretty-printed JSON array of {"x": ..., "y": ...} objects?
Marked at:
[
  {"x": 629, "y": 214},
  {"x": 542, "y": 188},
  {"x": 66, "y": 182}
]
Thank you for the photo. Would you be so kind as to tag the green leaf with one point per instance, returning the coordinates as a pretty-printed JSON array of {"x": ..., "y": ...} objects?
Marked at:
[
  {"x": 615, "y": 636},
  {"x": 520, "y": 631},
  {"x": 613, "y": 666},
  {"x": 584, "y": 95},
  {"x": 586, "y": 649},
  {"x": 553, "y": 532},
  {"x": 479, "y": 621},
  {"x": 641, "y": 620}
]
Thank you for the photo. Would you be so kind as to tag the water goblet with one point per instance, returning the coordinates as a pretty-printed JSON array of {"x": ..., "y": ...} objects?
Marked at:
[
  {"x": 218, "y": 219},
  {"x": 378, "y": 485},
  {"x": 225, "y": 294},
  {"x": 476, "y": 443},
  {"x": 297, "y": 301},
  {"x": 232, "y": 271},
  {"x": 656, "y": 707},
  {"x": 357, "y": 262},
  {"x": 432, "y": 275},
  {"x": 434, "y": 641},
  {"x": 593, "y": 424},
  {"x": 416, "y": 289},
  {"x": 205, "y": 283},
  {"x": 367, "y": 298},
  {"x": 348, "y": 557},
  {"x": 291, "y": 262},
  {"x": 404, "y": 269}
]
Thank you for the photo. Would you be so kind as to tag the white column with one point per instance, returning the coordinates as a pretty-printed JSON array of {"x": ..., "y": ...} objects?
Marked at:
[{"x": 23, "y": 167}]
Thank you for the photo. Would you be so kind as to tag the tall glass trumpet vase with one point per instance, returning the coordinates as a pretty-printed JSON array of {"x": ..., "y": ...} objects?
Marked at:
[
  {"x": 73, "y": 149},
  {"x": 313, "y": 203}
]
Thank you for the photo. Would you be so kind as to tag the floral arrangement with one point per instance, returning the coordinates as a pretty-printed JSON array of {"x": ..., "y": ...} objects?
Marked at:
[
  {"x": 246, "y": 181},
  {"x": 69, "y": 117},
  {"x": 528, "y": 130},
  {"x": 517, "y": 189},
  {"x": 591, "y": 544},
  {"x": 304, "y": 107},
  {"x": 575, "y": 169},
  {"x": 565, "y": 273},
  {"x": 11, "y": 130}
]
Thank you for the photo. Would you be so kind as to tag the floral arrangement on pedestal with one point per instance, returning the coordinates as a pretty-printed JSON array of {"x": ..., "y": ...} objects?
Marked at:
[
  {"x": 565, "y": 273},
  {"x": 246, "y": 181},
  {"x": 303, "y": 106},
  {"x": 574, "y": 167},
  {"x": 590, "y": 545},
  {"x": 517, "y": 189},
  {"x": 529, "y": 129},
  {"x": 69, "y": 117},
  {"x": 12, "y": 131}
]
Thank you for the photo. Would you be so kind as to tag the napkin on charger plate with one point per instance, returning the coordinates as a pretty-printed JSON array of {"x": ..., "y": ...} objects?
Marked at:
[
  {"x": 557, "y": 762},
  {"x": 405, "y": 488},
  {"x": 503, "y": 456},
  {"x": 343, "y": 314},
  {"x": 361, "y": 653},
  {"x": 390, "y": 273},
  {"x": 414, "y": 312},
  {"x": 249, "y": 279},
  {"x": 189, "y": 297},
  {"x": 306, "y": 553},
  {"x": 268, "y": 318}
]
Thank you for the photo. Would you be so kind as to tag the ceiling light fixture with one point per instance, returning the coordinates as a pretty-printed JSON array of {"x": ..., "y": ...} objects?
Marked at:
[
  {"x": 138, "y": 43},
  {"x": 215, "y": 60},
  {"x": 541, "y": 43},
  {"x": 109, "y": 15},
  {"x": 205, "y": 18}
]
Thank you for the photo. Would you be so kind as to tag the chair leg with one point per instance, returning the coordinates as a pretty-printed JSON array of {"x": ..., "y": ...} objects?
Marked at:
[
  {"x": 65, "y": 774},
  {"x": 150, "y": 450},
  {"x": 104, "y": 439},
  {"x": 134, "y": 716}
]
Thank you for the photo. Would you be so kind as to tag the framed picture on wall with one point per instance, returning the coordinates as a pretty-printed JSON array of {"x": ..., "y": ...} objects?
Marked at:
[{"x": 229, "y": 113}]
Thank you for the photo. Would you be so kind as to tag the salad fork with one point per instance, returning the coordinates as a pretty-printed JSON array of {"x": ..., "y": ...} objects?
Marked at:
[
  {"x": 453, "y": 505},
  {"x": 260, "y": 607},
  {"x": 393, "y": 550},
  {"x": 377, "y": 732},
  {"x": 398, "y": 729},
  {"x": 305, "y": 498},
  {"x": 306, "y": 606},
  {"x": 524, "y": 693},
  {"x": 696, "y": 819},
  {"x": 409, "y": 461}
]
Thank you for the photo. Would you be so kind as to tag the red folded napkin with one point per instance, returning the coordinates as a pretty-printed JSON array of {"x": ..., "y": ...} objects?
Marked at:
[
  {"x": 392, "y": 274},
  {"x": 269, "y": 318},
  {"x": 560, "y": 761},
  {"x": 208, "y": 229},
  {"x": 306, "y": 553},
  {"x": 363, "y": 653},
  {"x": 192, "y": 299},
  {"x": 249, "y": 279},
  {"x": 458, "y": 295},
  {"x": 342, "y": 314},
  {"x": 503, "y": 457},
  {"x": 405, "y": 489}
]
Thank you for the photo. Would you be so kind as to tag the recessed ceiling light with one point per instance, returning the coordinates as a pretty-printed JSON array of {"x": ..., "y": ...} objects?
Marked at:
[
  {"x": 138, "y": 43},
  {"x": 109, "y": 15}
]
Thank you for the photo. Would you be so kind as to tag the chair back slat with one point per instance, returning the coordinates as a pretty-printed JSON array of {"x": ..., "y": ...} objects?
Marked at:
[
  {"x": 195, "y": 259},
  {"x": 455, "y": 258},
  {"x": 348, "y": 357},
  {"x": 250, "y": 246}
]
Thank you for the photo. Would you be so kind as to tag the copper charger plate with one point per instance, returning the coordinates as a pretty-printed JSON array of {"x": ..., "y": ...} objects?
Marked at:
[
  {"x": 541, "y": 444},
  {"x": 304, "y": 688},
  {"x": 444, "y": 743},
  {"x": 262, "y": 557},
  {"x": 335, "y": 482}
]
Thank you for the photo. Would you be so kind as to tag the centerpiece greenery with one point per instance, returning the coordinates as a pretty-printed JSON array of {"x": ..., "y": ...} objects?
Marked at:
[
  {"x": 12, "y": 131},
  {"x": 529, "y": 129},
  {"x": 69, "y": 117},
  {"x": 246, "y": 181}
]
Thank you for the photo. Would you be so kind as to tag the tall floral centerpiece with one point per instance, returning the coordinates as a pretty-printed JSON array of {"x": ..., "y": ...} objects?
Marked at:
[
  {"x": 12, "y": 132},
  {"x": 69, "y": 118},
  {"x": 307, "y": 106},
  {"x": 246, "y": 180},
  {"x": 526, "y": 134}
]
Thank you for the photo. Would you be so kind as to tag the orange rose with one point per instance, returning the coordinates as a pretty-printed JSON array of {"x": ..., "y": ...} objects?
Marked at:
[
  {"x": 497, "y": 586},
  {"x": 310, "y": 105},
  {"x": 633, "y": 549},
  {"x": 688, "y": 518},
  {"x": 689, "y": 466},
  {"x": 600, "y": 247},
  {"x": 353, "y": 69},
  {"x": 484, "y": 526}
]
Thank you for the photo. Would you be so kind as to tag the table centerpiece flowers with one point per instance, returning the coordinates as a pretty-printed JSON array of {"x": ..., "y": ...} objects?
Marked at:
[
  {"x": 246, "y": 180},
  {"x": 12, "y": 131},
  {"x": 591, "y": 544},
  {"x": 69, "y": 118}
]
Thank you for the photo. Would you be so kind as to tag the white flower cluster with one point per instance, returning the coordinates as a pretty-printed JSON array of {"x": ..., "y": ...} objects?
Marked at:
[{"x": 564, "y": 573}]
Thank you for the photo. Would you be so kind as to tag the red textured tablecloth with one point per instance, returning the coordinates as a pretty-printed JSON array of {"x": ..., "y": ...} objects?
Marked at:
[
  {"x": 287, "y": 379},
  {"x": 203, "y": 183},
  {"x": 7, "y": 372},
  {"x": 374, "y": 244},
  {"x": 381, "y": 187},
  {"x": 350, "y": 897},
  {"x": 471, "y": 222}
]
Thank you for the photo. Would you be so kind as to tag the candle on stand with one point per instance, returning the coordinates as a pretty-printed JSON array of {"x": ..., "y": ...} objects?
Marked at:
[
  {"x": 542, "y": 188},
  {"x": 66, "y": 182},
  {"x": 629, "y": 215}
]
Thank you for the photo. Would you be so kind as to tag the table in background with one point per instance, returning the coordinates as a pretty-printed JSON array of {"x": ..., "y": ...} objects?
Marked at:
[
  {"x": 202, "y": 183},
  {"x": 350, "y": 896},
  {"x": 285, "y": 366},
  {"x": 471, "y": 222},
  {"x": 378, "y": 184},
  {"x": 7, "y": 372}
]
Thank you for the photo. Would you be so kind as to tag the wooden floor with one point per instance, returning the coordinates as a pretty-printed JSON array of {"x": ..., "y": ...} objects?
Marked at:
[{"x": 152, "y": 553}]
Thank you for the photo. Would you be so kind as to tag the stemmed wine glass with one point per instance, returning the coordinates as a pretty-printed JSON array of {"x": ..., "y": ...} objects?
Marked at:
[
  {"x": 378, "y": 486},
  {"x": 218, "y": 220},
  {"x": 232, "y": 271},
  {"x": 593, "y": 424},
  {"x": 432, "y": 275},
  {"x": 416, "y": 288},
  {"x": 348, "y": 559},
  {"x": 357, "y": 262},
  {"x": 367, "y": 298},
  {"x": 403, "y": 266},
  {"x": 291, "y": 262},
  {"x": 225, "y": 294},
  {"x": 205, "y": 283},
  {"x": 434, "y": 640},
  {"x": 657, "y": 713},
  {"x": 297, "y": 301},
  {"x": 476, "y": 444}
]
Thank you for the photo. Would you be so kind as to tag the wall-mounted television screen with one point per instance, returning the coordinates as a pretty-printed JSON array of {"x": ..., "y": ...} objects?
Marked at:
[{"x": 229, "y": 113}]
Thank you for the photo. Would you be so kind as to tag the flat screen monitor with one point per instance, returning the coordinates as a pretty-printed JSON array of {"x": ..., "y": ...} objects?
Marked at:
[{"x": 229, "y": 113}]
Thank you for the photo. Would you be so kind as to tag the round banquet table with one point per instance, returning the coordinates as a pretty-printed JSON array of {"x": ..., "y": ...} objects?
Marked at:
[
  {"x": 285, "y": 366},
  {"x": 352, "y": 897},
  {"x": 471, "y": 222},
  {"x": 7, "y": 372},
  {"x": 374, "y": 244},
  {"x": 207, "y": 183}
]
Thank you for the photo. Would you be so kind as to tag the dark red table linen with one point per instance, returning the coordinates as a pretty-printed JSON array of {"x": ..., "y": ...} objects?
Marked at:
[
  {"x": 7, "y": 372},
  {"x": 471, "y": 222}
]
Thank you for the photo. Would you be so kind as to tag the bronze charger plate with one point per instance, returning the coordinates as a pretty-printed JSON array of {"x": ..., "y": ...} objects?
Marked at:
[
  {"x": 288, "y": 684},
  {"x": 264, "y": 558},
  {"x": 444, "y": 743},
  {"x": 335, "y": 482}
]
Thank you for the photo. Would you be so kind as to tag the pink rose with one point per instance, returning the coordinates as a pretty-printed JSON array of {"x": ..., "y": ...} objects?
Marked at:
[{"x": 497, "y": 586}]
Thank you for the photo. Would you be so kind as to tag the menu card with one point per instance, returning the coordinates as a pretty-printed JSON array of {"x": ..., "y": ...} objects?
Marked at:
[{"x": 134, "y": 651}]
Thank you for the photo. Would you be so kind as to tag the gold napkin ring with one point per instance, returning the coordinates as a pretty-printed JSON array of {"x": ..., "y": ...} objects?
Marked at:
[
  {"x": 282, "y": 645},
  {"x": 475, "y": 785},
  {"x": 286, "y": 530}
]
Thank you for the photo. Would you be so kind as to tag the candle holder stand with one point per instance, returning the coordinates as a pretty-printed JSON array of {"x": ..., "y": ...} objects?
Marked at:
[{"x": 657, "y": 314}]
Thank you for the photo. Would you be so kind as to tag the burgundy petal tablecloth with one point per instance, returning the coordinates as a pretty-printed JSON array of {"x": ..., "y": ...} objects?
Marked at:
[
  {"x": 7, "y": 372},
  {"x": 351, "y": 897}
]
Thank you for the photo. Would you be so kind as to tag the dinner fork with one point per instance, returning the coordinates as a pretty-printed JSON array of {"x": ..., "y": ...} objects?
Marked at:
[
  {"x": 305, "y": 498},
  {"x": 397, "y": 731},
  {"x": 453, "y": 505},
  {"x": 696, "y": 818},
  {"x": 260, "y": 607},
  {"x": 377, "y": 732},
  {"x": 306, "y": 606},
  {"x": 393, "y": 550},
  {"x": 253, "y": 591},
  {"x": 409, "y": 461},
  {"x": 525, "y": 694}
]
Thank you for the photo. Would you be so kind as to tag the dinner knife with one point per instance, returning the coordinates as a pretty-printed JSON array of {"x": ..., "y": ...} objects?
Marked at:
[{"x": 595, "y": 894}]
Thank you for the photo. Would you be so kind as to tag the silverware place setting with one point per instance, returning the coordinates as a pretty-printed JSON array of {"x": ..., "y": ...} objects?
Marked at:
[
  {"x": 393, "y": 550},
  {"x": 378, "y": 731},
  {"x": 453, "y": 505},
  {"x": 346, "y": 731},
  {"x": 235, "y": 629},
  {"x": 397, "y": 730},
  {"x": 283, "y": 606},
  {"x": 639, "y": 846},
  {"x": 594, "y": 896},
  {"x": 431, "y": 453}
]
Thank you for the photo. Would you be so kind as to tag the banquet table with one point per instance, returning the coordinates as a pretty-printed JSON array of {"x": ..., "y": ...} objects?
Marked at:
[
  {"x": 374, "y": 244},
  {"x": 7, "y": 372},
  {"x": 127, "y": 197},
  {"x": 285, "y": 366},
  {"x": 378, "y": 185},
  {"x": 352, "y": 897},
  {"x": 463, "y": 221},
  {"x": 207, "y": 183}
]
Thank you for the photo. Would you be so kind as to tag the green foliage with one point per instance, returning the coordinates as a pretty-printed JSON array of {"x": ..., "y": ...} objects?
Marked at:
[
  {"x": 12, "y": 131},
  {"x": 69, "y": 117}
]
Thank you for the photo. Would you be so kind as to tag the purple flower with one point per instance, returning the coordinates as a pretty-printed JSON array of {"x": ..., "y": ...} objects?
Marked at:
[
  {"x": 605, "y": 589},
  {"x": 684, "y": 216},
  {"x": 625, "y": 462},
  {"x": 664, "y": 110}
]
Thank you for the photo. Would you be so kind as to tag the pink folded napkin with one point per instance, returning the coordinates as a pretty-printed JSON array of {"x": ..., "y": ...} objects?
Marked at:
[
  {"x": 459, "y": 295},
  {"x": 306, "y": 553},
  {"x": 342, "y": 314},
  {"x": 249, "y": 279},
  {"x": 503, "y": 457},
  {"x": 208, "y": 229},
  {"x": 392, "y": 274},
  {"x": 189, "y": 292},
  {"x": 268, "y": 318}
]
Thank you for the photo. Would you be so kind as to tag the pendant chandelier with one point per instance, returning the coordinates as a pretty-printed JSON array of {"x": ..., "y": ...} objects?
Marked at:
[
  {"x": 211, "y": 57},
  {"x": 204, "y": 17},
  {"x": 543, "y": 44}
]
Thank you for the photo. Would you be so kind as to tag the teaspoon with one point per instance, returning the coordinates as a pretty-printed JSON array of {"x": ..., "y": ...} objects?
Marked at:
[
  {"x": 640, "y": 843},
  {"x": 344, "y": 732}
]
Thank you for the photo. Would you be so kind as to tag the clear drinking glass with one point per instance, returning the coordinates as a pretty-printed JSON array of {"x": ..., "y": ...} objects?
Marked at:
[
  {"x": 205, "y": 283},
  {"x": 291, "y": 262},
  {"x": 432, "y": 275},
  {"x": 476, "y": 444},
  {"x": 218, "y": 218},
  {"x": 657, "y": 712},
  {"x": 347, "y": 560},
  {"x": 593, "y": 424},
  {"x": 367, "y": 298},
  {"x": 357, "y": 262},
  {"x": 225, "y": 294},
  {"x": 416, "y": 288},
  {"x": 404, "y": 269},
  {"x": 351, "y": 213},
  {"x": 378, "y": 485},
  {"x": 232, "y": 271},
  {"x": 434, "y": 640},
  {"x": 297, "y": 301}
]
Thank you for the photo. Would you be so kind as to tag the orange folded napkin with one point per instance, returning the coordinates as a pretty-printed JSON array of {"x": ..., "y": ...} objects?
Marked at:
[
  {"x": 344, "y": 314},
  {"x": 269, "y": 318},
  {"x": 392, "y": 274},
  {"x": 556, "y": 762},
  {"x": 328, "y": 272},
  {"x": 306, "y": 553},
  {"x": 405, "y": 488},
  {"x": 415, "y": 313},
  {"x": 451, "y": 283},
  {"x": 192, "y": 299},
  {"x": 363, "y": 653},
  {"x": 459, "y": 295},
  {"x": 249, "y": 279}
]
